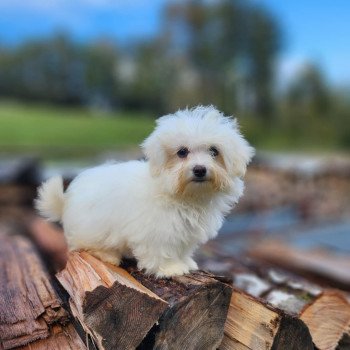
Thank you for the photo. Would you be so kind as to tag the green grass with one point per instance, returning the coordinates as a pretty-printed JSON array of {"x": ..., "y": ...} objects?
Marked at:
[
  {"x": 68, "y": 132},
  {"x": 307, "y": 136},
  {"x": 54, "y": 132}
]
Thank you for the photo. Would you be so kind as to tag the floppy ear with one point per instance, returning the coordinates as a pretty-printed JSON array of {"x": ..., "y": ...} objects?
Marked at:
[
  {"x": 152, "y": 148},
  {"x": 242, "y": 157},
  {"x": 238, "y": 152}
]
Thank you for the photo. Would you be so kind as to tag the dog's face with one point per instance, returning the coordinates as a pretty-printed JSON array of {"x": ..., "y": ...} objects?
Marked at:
[{"x": 197, "y": 152}]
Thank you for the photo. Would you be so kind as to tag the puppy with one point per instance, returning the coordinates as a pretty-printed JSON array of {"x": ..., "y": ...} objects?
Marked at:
[{"x": 161, "y": 209}]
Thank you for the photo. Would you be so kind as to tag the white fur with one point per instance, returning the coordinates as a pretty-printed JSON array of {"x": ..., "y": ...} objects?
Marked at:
[
  {"x": 153, "y": 209},
  {"x": 51, "y": 200}
]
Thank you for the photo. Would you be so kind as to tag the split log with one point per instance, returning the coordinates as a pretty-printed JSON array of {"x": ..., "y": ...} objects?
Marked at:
[
  {"x": 327, "y": 268},
  {"x": 197, "y": 310},
  {"x": 29, "y": 304},
  {"x": 126, "y": 310},
  {"x": 296, "y": 304},
  {"x": 61, "y": 338},
  {"x": 111, "y": 306},
  {"x": 255, "y": 325},
  {"x": 232, "y": 344}
]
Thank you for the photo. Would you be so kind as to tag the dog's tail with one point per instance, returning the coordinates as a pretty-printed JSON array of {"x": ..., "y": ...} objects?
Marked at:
[{"x": 50, "y": 199}]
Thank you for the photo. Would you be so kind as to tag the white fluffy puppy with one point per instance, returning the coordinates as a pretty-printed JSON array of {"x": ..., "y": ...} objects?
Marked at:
[{"x": 161, "y": 209}]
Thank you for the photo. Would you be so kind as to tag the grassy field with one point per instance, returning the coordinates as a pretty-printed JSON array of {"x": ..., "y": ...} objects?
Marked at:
[
  {"x": 68, "y": 132},
  {"x": 53, "y": 132}
]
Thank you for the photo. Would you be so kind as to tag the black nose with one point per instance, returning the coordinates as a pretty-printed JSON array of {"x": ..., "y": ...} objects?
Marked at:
[{"x": 199, "y": 171}]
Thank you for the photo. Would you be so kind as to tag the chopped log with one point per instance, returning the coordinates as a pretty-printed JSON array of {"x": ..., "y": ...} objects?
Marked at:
[
  {"x": 326, "y": 313},
  {"x": 327, "y": 268},
  {"x": 115, "y": 309},
  {"x": 327, "y": 318},
  {"x": 124, "y": 309},
  {"x": 61, "y": 338},
  {"x": 197, "y": 309},
  {"x": 253, "y": 325},
  {"x": 29, "y": 304},
  {"x": 232, "y": 344}
]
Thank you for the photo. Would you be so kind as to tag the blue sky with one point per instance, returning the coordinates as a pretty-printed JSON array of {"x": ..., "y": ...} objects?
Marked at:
[{"x": 315, "y": 30}]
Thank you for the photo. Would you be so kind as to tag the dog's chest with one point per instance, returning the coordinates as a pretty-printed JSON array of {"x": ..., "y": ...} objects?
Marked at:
[{"x": 195, "y": 225}]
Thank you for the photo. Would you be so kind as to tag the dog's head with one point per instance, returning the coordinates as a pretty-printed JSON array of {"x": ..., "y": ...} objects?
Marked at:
[{"x": 197, "y": 151}]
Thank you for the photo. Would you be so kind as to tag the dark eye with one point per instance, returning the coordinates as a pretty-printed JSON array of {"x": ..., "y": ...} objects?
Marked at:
[
  {"x": 213, "y": 151},
  {"x": 183, "y": 152}
]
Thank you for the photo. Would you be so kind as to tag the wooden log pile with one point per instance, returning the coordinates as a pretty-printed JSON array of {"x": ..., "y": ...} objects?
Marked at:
[
  {"x": 90, "y": 304},
  {"x": 117, "y": 308},
  {"x": 319, "y": 315},
  {"x": 30, "y": 308},
  {"x": 124, "y": 309}
]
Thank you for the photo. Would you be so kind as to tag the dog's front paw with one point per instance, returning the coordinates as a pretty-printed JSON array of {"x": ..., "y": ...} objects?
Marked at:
[
  {"x": 192, "y": 265},
  {"x": 111, "y": 257},
  {"x": 176, "y": 268}
]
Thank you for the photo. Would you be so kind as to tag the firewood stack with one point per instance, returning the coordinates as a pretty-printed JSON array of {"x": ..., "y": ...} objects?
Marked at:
[
  {"x": 90, "y": 304},
  {"x": 109, "y": 306},
  {"x": 124, "y": 309},
  {"x": 270, "y": 301},
  {"x": 277, "y": 298},
  {"x": 31, "y": 311}
]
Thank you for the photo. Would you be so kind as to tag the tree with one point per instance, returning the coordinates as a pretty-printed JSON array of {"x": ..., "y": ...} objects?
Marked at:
[
  {"x": 232, "y": 46},
  {"x": 309, "y": 92},
  {"x": 100, "y": 62},
  {"x": 45, "y": 70},
  {"x": 152, "y": 80}
]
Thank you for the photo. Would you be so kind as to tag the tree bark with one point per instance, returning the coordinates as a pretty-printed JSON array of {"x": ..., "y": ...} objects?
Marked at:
[
  {"x": 61, "y": 338},
  {"x": 29, "y": 304}
]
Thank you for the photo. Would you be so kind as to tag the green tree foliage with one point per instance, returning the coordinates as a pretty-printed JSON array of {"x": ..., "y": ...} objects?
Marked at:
[
  {"x": 99, "y": 64},
  {"x": 57, "y": 70},
  {"x": 310, "y": 110},
  {"x": 149, "y": 83},
  {"x": 308, "y": 92},
  {"x": 43, "y": 70},
  {"x": 231, "y": 45}
]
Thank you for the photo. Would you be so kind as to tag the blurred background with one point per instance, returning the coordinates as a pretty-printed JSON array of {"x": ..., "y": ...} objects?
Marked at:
[
  {"x": 78, "y": 78},
  {"x": 83, "y": 81}
]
